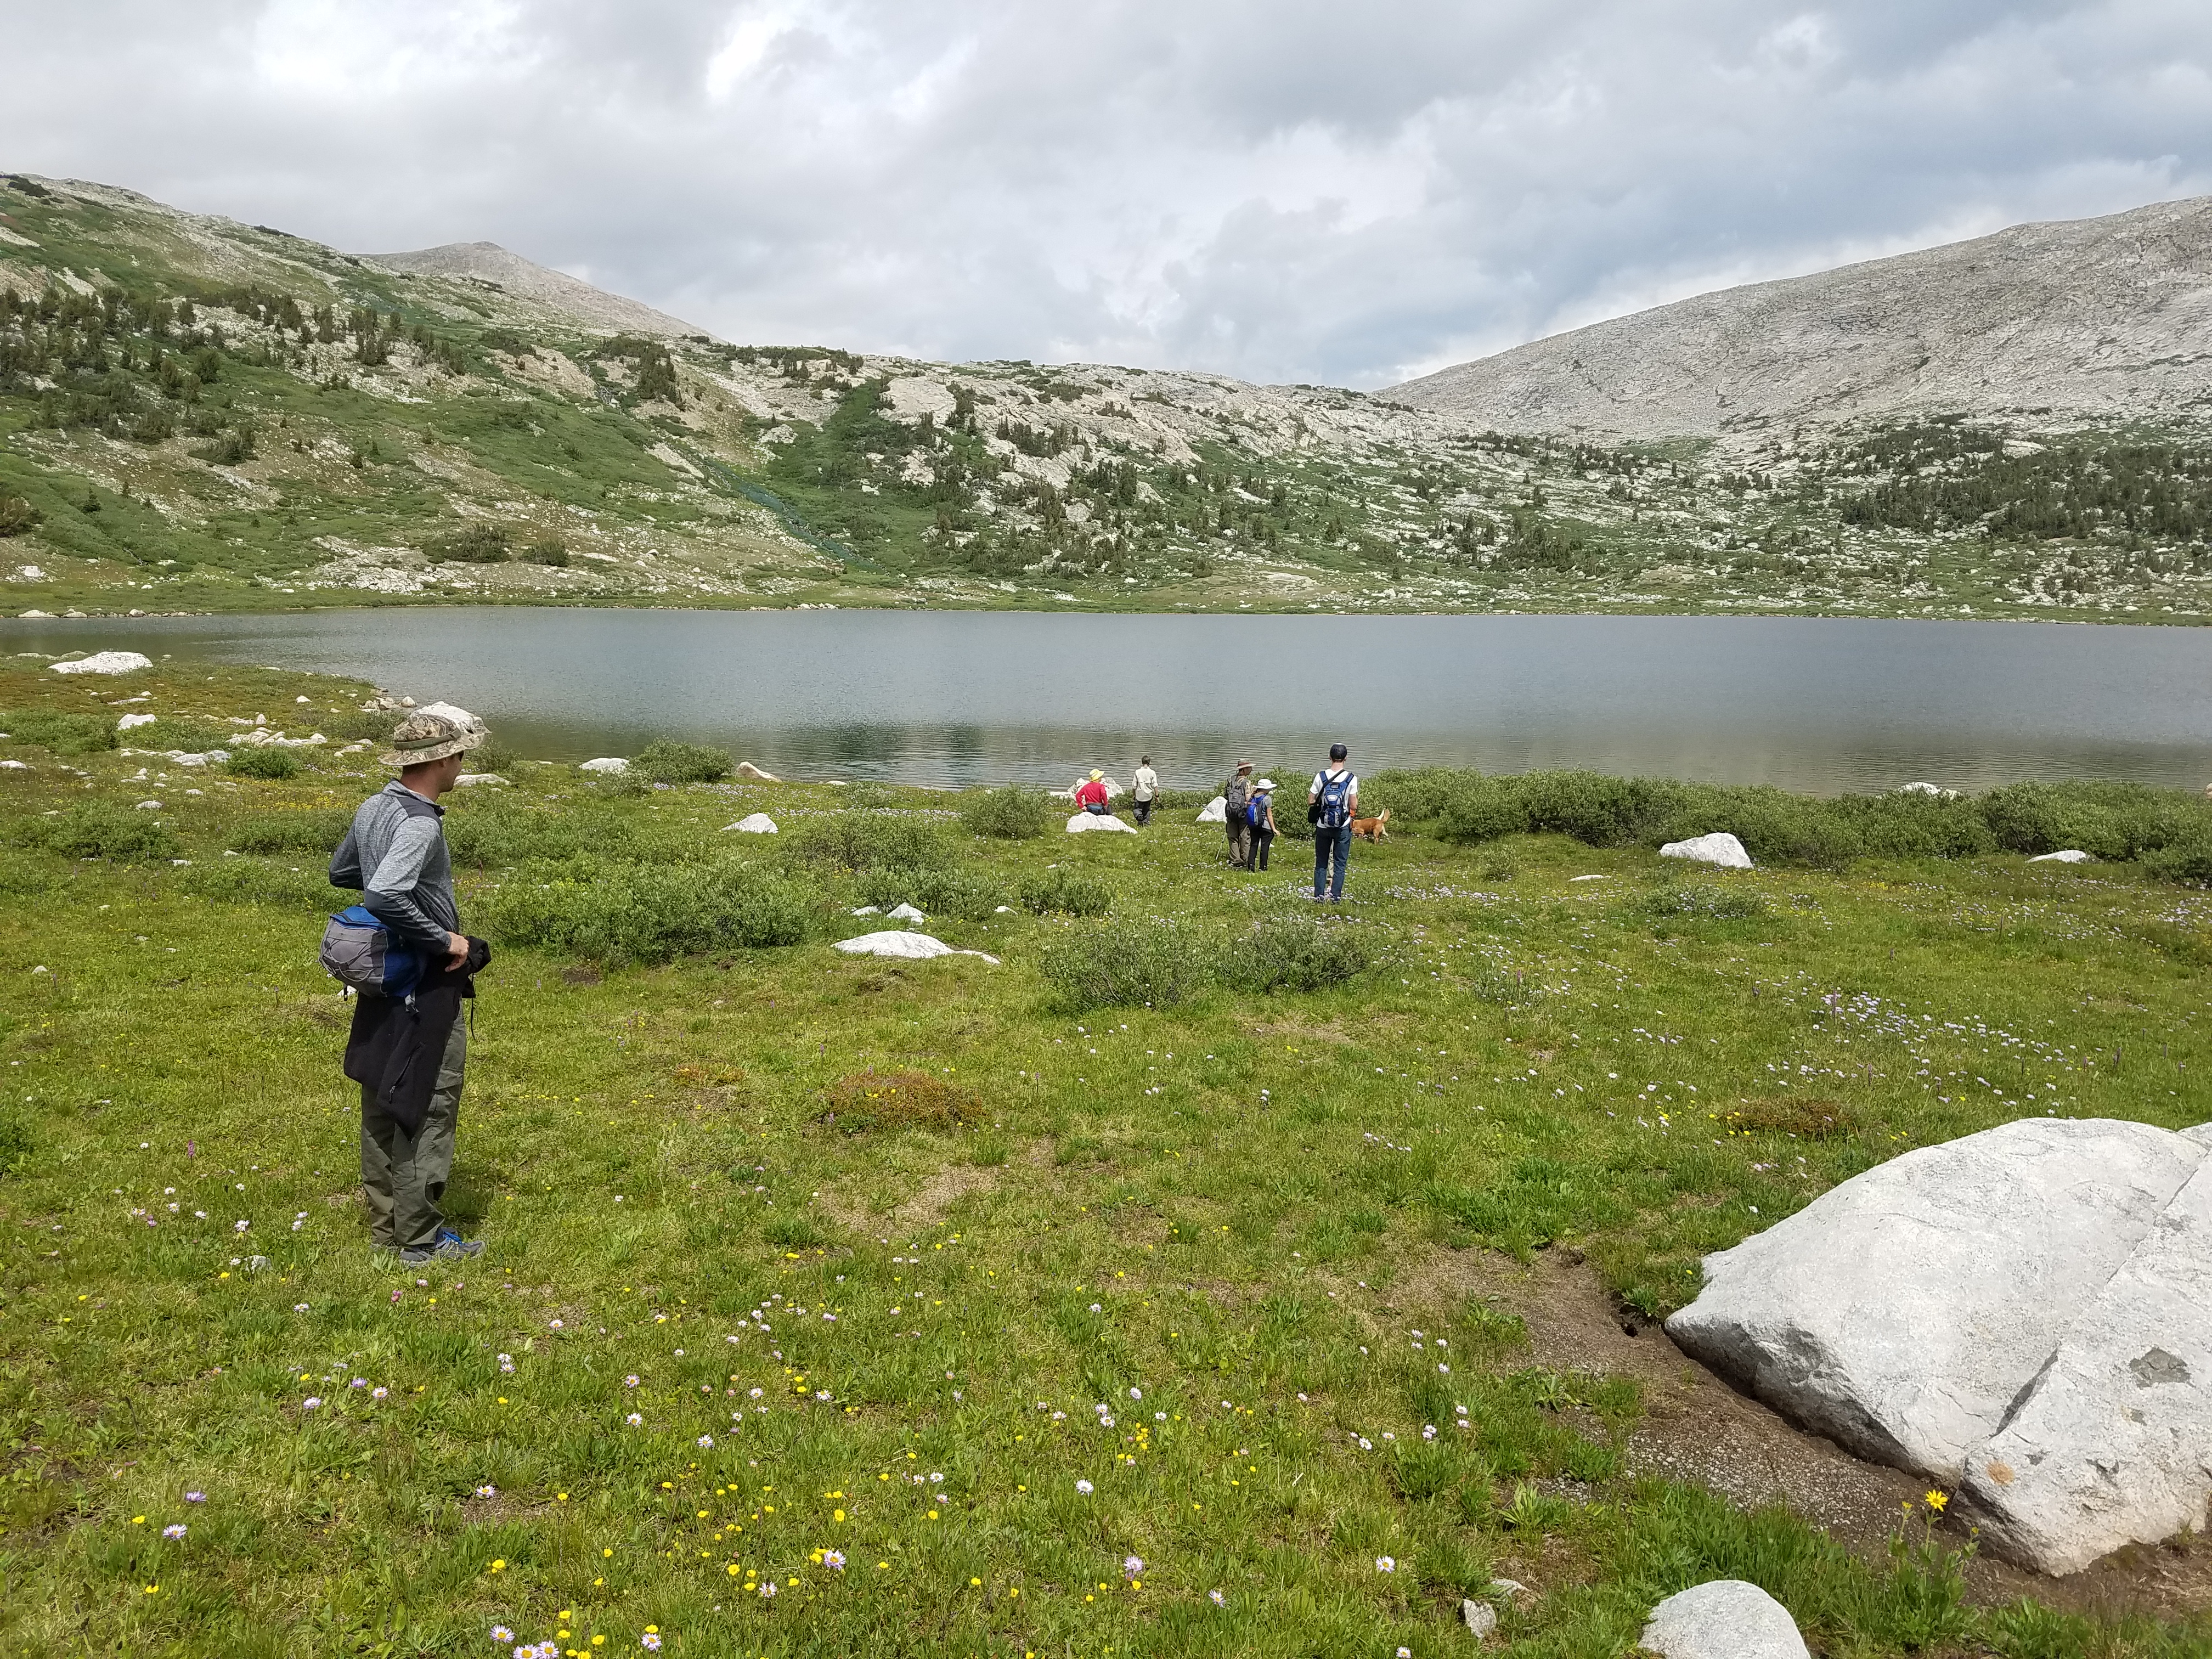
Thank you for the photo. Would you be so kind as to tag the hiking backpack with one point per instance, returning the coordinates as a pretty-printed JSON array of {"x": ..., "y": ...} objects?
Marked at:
[
  {"x": 358, "y": 950},
  {"x": 1334, "y": 814},
  {"x": 1256, "y": 811}
]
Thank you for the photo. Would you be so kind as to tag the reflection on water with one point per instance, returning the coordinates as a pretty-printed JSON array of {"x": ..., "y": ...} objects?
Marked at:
[{"x": 960, "y": 697}]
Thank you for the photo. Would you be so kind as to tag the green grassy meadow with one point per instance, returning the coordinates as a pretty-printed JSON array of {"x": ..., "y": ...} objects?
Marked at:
[{"x": 835, "y": 1305}]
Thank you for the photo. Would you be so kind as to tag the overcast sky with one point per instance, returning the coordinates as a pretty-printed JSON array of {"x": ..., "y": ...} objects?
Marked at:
[{"x": 1282, "y": 189}]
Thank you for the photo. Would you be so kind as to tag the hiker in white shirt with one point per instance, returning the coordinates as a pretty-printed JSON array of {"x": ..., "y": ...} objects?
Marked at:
[
  {"x": 1331, "y": 804},
  {"x": 1142, "y": 788}
]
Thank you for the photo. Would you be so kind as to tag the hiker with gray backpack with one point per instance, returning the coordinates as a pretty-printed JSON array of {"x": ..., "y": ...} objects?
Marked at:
[
  {"x": 402, "y": 950},
  {"x": 1235, "y": 797}
]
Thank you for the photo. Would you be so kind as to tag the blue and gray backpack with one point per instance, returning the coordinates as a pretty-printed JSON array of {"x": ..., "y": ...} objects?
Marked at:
[{"x": 358, "y": 950}]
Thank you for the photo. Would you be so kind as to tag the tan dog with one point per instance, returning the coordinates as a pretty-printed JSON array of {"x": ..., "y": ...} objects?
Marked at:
[{"x": 1372, "y": 828}]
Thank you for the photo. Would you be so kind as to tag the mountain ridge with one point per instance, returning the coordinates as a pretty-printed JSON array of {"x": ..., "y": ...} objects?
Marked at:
[
  {"x": 2106, "y": 317},
  {"x": 487, "y": 262}
]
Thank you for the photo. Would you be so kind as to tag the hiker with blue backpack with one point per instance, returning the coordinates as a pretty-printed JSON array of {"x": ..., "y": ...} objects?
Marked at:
[
  {"x": 1331, "y": 805},
  {"x": 1259, "y": 813},
  {"x": 402, "y": 949}
]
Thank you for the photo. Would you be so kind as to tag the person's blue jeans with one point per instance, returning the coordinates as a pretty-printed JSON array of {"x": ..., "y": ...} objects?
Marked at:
[{"x": 1335, "y": 842}]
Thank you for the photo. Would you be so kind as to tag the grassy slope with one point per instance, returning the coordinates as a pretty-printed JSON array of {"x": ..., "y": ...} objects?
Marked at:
[
  {"x": 1241, "y": 1207},
  {"x": 784, "y": 475}
]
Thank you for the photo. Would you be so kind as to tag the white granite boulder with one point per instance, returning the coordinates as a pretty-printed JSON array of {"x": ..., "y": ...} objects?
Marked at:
[
  {"x": 2071, "y": 855},
  {"x": 1215, "y": 810},
  {"x": 911, "y": 947},
  {"x": 613, "y": 765},
  {"x": 477, "y": 780},
  {"x": 753, "y": 823},
  {"x": 747, "y": 769},
  {"x": 1083, "y": 822},
  {"x": 2026, "y": 1312},
  {"x": 903, "y": 912},
  {"x": 1726, "y": 1619},
  {"x": 105, "y": 662},
  {"x": 2112, "y": 1442},
  {"x": 453, "y": 712},
  {"x": 1720, "y": 848},
  {"x": 130, "y": 722}
]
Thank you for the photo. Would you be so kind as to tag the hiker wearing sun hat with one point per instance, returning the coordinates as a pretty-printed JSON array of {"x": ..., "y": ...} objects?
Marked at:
[
  {"x": 1091, "y": 797},
  {"x": 408, "y": 1052}
]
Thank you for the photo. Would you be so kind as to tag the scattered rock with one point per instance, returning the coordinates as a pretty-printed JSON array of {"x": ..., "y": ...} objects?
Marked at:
[
  {"x": 913, "y": 947},
  {"x": 15, "y": 766},
  {"x": 608, "y": 764},
  {"x": 1589, "y": 877},
  {"x": 2019, "y": 1312},
  {"x": 1720, "y": 848},
  {"x": 1215, "y": 810},
  {"x": 150, "y": 806},
  {"x": 106, "y": 662},
  {"x": 747, "y": 769},
  {"x": 1726, "y": 1619},
  {"x": 1086, "y": 821},
  {"x": 867, "y": 910},
  {"x": 2071, "y": 855},
  {"x": 1937, "y": 790},
  {"x": 1003, "y": 910},
  {"x": 905, "y": 912},
  {"x": 36, "y": 615},
  {"x": 753, "y": 823},
  {"x": 1477, "y": 1616},
  {"x": 471, "y": 779},
  {"x": 130, "y": 721}
]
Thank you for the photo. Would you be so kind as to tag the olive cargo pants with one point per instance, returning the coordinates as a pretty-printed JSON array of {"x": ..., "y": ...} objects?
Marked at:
[{"x": 403, "y": 1176}]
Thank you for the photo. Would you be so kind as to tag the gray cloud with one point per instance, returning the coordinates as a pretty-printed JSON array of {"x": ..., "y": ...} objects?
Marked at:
[{"x": 1286, "y": 190}]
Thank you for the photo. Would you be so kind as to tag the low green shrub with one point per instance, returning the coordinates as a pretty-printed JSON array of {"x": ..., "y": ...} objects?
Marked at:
[
  {"x": 617, "y": 915},
  {"x": 1007, "y": 813},
  {"x": 1150, "y": 962},
  {"x": 664, "y": 761},
  {"x": 273, "y": 764},
  {"x": 99, "y": 830},
  {"x": 1297, "y": 953},
  {"x": 547, "y": 547},
  {"x": 493, "y": 756},
  {"x": 22, "y": 877},
  {"x": 940, "y": 892},
  {"x": 1070, "y": 892},
  {"x": 180, "y": 731},
  {"x": 305, "y": 831},
  {"x": 2110, "y": 820},
  {"x": 475, "y": 544},
  {"x": 2186, "y": 861},
  {"x": 15, "y": 1145},
  {"x": 493, "y": 833},
  {"x": 61, "y": 734},
  {"x": 866, "y": 840},
  {"x": 261, "y": 881},
  {"x": 1702, "y": 901}
]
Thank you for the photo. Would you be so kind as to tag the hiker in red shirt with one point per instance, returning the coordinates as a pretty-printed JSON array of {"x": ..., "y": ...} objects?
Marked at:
[{"x": 1091, "y": 797}]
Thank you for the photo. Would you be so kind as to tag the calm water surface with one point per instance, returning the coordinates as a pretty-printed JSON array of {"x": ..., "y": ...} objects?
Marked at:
[{"x": 961, "y": 697}]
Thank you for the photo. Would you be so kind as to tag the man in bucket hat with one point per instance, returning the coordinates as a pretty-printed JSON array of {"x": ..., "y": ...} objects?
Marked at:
[{"x": 407, "y": 1054}]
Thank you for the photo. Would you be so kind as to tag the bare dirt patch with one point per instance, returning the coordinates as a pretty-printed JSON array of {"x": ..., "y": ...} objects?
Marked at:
[{"x": 1695, "y": 1427}]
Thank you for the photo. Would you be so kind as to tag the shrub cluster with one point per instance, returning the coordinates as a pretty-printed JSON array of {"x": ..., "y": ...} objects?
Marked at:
[
  {"x": 1699, "y": 901},
  {"x": 180, "y": 732},
  {"x": 864, "y": 840},
  {"x": 2168, "y": 830},
  {"x": 1070, "y": 892},
  {"x": 259, "y": 881},
  {"x": 274, "y": 765},
  {"x": 619, "y": 914},
  {"x": 475, "y": 544},
  {"x": 1148, "y": 961},
  {"x": 946, "y": 892},
  {"x": 99, "y": 830},
  {"x": 1010, "y": 813},
  {"x": 318, "y": 831},
  {"x": 664, "y": 761},
  {"x": 64, "y": 735},
  {"x": 1295, "y": 953}
]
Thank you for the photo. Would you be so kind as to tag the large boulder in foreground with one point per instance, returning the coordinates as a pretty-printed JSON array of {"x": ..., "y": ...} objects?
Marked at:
[
  {"x": 1719, "y": 848},
  {"x": 1726, "y": 1619},
  {"x": 1966, "y": 1305},
  {"x": 2112, "y": 1443}
]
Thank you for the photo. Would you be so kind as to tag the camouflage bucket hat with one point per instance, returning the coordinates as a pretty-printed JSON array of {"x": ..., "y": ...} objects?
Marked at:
[{"x": 421, "y": 739}]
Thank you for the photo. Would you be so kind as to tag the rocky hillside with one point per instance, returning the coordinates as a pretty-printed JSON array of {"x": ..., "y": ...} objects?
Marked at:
[
  {"x": 196, "y": 413},
  {"x": 2096, "y": 319}
]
